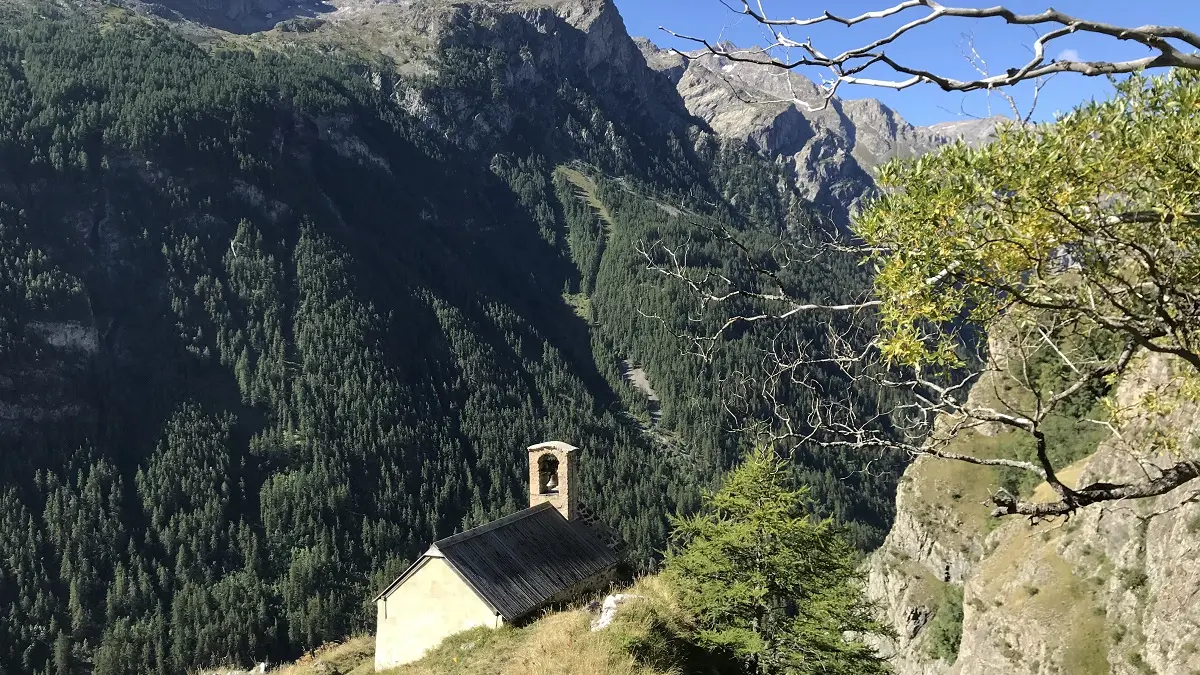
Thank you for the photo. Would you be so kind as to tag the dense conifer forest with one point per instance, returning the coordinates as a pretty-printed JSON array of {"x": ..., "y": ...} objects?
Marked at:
[{"x": 264, "y": 334}]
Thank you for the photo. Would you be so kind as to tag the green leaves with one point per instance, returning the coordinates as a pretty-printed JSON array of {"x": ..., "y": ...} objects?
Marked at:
[{"x": 1093, "y": 217}]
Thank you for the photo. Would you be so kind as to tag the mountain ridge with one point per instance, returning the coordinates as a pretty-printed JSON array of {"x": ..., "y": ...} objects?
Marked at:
[{"x": 831, "y": 147}]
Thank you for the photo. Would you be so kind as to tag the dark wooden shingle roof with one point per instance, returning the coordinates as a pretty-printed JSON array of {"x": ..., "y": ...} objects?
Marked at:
[{"x": 519, "y": 562}]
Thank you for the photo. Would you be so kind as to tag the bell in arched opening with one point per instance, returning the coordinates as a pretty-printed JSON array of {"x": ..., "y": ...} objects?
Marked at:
[
  {"x": 552, "y": 470},
  {"x": 547, "y": 474}
]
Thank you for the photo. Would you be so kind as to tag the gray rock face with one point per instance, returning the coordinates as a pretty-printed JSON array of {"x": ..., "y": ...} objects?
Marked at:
[
  {"x": 973, "y": 132},
  {"x": 1113, "y": 590},
  {"x": 1123, "y": 579},
  {"x": 831, "y": 149},
  {"x": 558, "y": 41},
  {"x": 905, "y": 576}
]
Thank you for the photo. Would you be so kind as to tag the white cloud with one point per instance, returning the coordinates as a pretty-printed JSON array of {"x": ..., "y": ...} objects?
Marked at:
[{"x": 1068, "y": 55}]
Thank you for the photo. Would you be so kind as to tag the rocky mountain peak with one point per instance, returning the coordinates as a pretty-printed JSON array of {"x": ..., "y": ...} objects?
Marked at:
[
  {"x": 831, "y": 148},
  {"x": 581, "y": 14},
  {"x": 607, "y": 38},
  {"x": 972, "y": 131}
]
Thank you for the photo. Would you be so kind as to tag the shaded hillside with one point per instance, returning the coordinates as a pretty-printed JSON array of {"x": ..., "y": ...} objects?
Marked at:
[
  {"x": 274, "y": 319},
  {"x": 696, "y": 406},
  {"x": 267, "y": 338}
]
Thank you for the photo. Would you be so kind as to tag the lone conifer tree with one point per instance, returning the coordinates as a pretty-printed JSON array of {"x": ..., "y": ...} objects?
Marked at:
[{"x": 769, "y": 583}]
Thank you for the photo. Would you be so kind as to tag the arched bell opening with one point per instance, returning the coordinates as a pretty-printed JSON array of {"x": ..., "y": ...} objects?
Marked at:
[{"x": 547, "y": 474}]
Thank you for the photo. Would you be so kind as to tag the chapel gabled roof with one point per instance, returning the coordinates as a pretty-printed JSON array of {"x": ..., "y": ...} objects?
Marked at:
[{"x": 518, "y": 563}]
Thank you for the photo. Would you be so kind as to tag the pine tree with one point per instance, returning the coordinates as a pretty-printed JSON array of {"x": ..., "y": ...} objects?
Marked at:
[{"x": 768, "y": 583}]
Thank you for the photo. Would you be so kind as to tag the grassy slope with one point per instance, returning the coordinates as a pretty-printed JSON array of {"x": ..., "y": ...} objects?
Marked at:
[
  {"x": 587, "y": 191},
  {"x": 1022, "y": 577},
  {"x": 1027, "y": 580},
  {"x": 559, "y": 643}
]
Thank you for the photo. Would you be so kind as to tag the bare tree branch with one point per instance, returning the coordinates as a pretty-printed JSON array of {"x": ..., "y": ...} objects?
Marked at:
[
  {"x": 848, "y": 67},
  {"x": 1169, "y": 479}
]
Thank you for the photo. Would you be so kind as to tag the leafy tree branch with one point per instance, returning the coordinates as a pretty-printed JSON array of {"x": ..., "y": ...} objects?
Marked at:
[{"x": 1073, "y": 246}]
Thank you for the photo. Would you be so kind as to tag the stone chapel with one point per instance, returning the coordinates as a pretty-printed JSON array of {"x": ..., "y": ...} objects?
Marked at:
[{"x": 502, "y": 572}]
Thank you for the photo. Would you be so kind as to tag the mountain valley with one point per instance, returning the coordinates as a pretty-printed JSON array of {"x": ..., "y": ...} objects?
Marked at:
[{"x": 287, "y": 288}]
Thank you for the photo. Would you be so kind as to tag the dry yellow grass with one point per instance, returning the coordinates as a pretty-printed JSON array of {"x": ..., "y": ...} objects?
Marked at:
[
  {"x": 956, "y": 495},
  {"x": 588, "y": 192},
  {"x": 353, "y": 657},
  {"x": 1052, "y": 593},
  {"x": 1069, "y": 476},
  {"x": 952, "y": 496},
  {"x": 559, "y": 643}
]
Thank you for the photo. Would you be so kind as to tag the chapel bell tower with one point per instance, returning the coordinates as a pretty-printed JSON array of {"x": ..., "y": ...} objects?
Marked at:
[{"x": 553, "y": 468}]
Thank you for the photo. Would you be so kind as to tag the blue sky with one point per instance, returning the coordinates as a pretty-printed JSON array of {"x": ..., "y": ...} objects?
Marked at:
[{"x": 939, "y": 46}]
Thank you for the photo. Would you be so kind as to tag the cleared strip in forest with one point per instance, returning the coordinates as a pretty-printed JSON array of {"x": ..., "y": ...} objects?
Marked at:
[
  {"x": 636, "y": 376},
  {"x": 587, "y": 191}
]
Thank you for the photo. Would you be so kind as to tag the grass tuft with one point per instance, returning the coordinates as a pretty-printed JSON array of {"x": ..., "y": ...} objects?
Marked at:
[{"x": 352, "y": 657}]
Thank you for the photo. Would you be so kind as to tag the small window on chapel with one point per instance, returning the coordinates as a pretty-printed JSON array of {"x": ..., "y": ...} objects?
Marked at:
[{"x": 547, "y": 474}]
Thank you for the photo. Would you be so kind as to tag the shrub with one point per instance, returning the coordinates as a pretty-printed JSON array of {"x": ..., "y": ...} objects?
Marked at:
[{"x": 945, "y": 629}]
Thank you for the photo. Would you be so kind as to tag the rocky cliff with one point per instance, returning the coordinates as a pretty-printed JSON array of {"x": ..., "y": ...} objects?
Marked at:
[
  {"x": 588, "y": 34},
  {"x": 830, "y": 149},
  {"x": 1115, "y": 589}
]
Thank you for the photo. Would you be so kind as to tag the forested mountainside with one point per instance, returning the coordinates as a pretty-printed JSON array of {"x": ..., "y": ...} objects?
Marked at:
[{"x": 274, "y": 318}]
